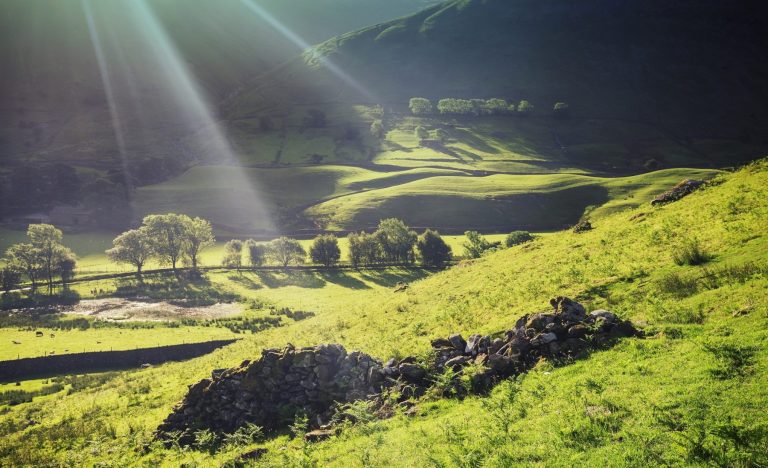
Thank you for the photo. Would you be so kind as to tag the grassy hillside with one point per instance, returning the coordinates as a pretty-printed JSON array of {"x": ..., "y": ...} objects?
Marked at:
[
  {"x": 55, "y": 104},
  {"x": 692, "y": 392},
  {"x": 605, "y": 58},
  {"x": 338, "y": 197}
]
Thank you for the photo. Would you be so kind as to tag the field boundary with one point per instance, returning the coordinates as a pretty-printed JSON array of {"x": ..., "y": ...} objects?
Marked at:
[{"x": 26, "y": 368}]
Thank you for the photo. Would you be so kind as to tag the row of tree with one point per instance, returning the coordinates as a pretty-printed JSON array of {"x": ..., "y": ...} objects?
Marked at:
[
  {"x": 43, "y": 257},
  {"x": 170, "y": 239},
  {"x": 450, "y": 106},
  {"x": 392, "y": 243},
  {"x": 173, "y": 239}
]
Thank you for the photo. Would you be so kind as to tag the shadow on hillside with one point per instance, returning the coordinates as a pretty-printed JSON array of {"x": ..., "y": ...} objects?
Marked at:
[
  {"x": 342, "y": 279},
  {"x": 244, "y": 280},
  {"x": 473, "y": 141},
  {"x": 390, "y": 278},
  {"x": 300, "y": 279},
  {"x": 467, "y": 154}
]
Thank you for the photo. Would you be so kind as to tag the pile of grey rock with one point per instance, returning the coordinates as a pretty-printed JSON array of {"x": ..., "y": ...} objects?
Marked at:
[
  {"x": 677, "y": 192},
  {"x": 314, "y": 381}
]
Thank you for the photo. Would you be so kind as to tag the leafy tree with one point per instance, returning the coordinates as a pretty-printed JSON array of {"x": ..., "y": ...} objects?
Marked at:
[
  {"x": 455, "y": 106},
  {"x": 475, "y": 244},
  {"x": 10, "y": 278},
  {"x": 525, "y": 108},
  {"x": 421, "y": 133},
  {"x": 561, "y": 110},
  {"x": 46, "y": 242},
  {"x": 420, "y": 106},
  {"x": 517, "y": 237},
  {"x": 396, "y": 241},
  {"x": 199, "y": 235},
  {"x": 65, "y": 265},
  {"x": 377, "y": 129},
  {"x": 285, "y": 251},
  {"x": 168, "y": 235},
  {"x": 233, "y": 254},
  {"x": 498, "y": 106},
  {"x": 257, "y": 253},
  {"x": 440, "y": 135},
  {"x": 26, "y": 258},
  {"x": 433, "y": 249},
  {"x": 364, "y": 249},
  {"x": 133, "y": 247},
  {"x": 325, "y": 250},
  {"x": 478, "y": 107}
]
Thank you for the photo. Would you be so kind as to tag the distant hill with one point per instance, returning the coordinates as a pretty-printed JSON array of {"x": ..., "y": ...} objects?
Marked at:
[
  {"x": 54, "y": 106},
  {"x": 695, "y": 66}
]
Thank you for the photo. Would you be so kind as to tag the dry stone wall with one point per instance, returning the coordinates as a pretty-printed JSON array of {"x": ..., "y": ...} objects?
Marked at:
[{"x": 270, "y": 391}]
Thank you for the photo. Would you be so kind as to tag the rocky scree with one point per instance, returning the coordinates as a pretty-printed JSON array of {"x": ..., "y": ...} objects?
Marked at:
[{"x": 315, "y": 381}]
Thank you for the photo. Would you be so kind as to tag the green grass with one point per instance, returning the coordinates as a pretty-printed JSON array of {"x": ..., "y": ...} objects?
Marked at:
[
  {"x": 659, "y": 400},
  {"x": 101, "y": 339},
  {"x": 501, "y": 202}
]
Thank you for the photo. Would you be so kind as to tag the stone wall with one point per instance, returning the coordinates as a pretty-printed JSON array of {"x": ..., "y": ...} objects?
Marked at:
[
  {"x": 270, "y": 391},
  {"x": 27, "y": 368}
]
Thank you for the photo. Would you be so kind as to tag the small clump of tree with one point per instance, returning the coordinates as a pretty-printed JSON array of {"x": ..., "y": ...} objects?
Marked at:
[
  {"x": 132, "y": 247},
  {"x": 286, "y": 251},
  {"x": 168, "y": 238},
  {"x": 364, "y": 250},
  {"x": 396, "y": 241},
  {"x": 325, "y": 250},
  {"x": 44, "y": 257},
  {"x": 433, "y": 250},
  {"x": 257, "y": 253},
  {"x": 233, "y": 254},
  {"x": 476, "y": 245},
  {"x": 517, "y": 237},
  {"x": 420, "y": 106},
  {"x": 525, "y": 108},
  {"x": 561, "y": 110}
]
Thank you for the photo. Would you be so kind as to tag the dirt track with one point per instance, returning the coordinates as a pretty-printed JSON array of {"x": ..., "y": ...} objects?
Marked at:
[{"x": 123, "y": 310}]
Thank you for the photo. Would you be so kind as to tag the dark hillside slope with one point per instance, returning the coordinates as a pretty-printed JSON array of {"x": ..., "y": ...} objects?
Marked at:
[
  {"x": 54, "y": 105},
  {"x": 695, "y": 66}
]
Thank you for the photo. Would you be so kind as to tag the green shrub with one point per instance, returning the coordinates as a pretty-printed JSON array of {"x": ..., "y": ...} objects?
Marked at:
[
  {"x": 677, "y": 285},
  {"x": 733, "y": 360},
  {"x": 690, "y": 253},
  {"x": 517, "y": 237}
]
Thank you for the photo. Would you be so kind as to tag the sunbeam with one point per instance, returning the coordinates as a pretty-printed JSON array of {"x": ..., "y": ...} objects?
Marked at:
[
  {"x": 304, "y": 46},
  {"x": 106, "y": 81},
  {"x": 149, "y": 60}
]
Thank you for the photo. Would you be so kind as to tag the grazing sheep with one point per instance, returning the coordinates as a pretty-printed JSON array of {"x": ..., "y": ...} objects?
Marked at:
[
  {"x": 16, "y": 342},
  {"x": 39, "y": 334},
  {"x": 53, "y": 336}
]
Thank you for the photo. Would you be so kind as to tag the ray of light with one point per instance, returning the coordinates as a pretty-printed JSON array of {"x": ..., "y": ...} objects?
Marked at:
[
  {"x": 149, "y": 67},
  {"x": 304, "y": 46},
  {"x": 106, "y": 81}
]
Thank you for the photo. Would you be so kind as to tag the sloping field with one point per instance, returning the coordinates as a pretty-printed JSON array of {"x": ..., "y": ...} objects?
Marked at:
[
  {"x": 498, "y": 202},
  {"x": 691, "y": 392}
]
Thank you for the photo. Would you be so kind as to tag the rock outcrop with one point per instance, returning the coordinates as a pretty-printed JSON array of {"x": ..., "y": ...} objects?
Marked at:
[
  {"x": 677, "y": 192},
  {"x": 269, "y": 392}
]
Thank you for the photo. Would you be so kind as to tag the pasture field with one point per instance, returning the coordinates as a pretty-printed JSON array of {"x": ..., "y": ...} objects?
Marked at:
[
  {"x": 101, "y": 339},
  {"x": 353, "y": 198},
  {"x": 625, "y": 264}
]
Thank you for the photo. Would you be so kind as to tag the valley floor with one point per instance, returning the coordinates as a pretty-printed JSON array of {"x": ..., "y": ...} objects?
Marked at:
[{"x": 691, "y": 393}]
